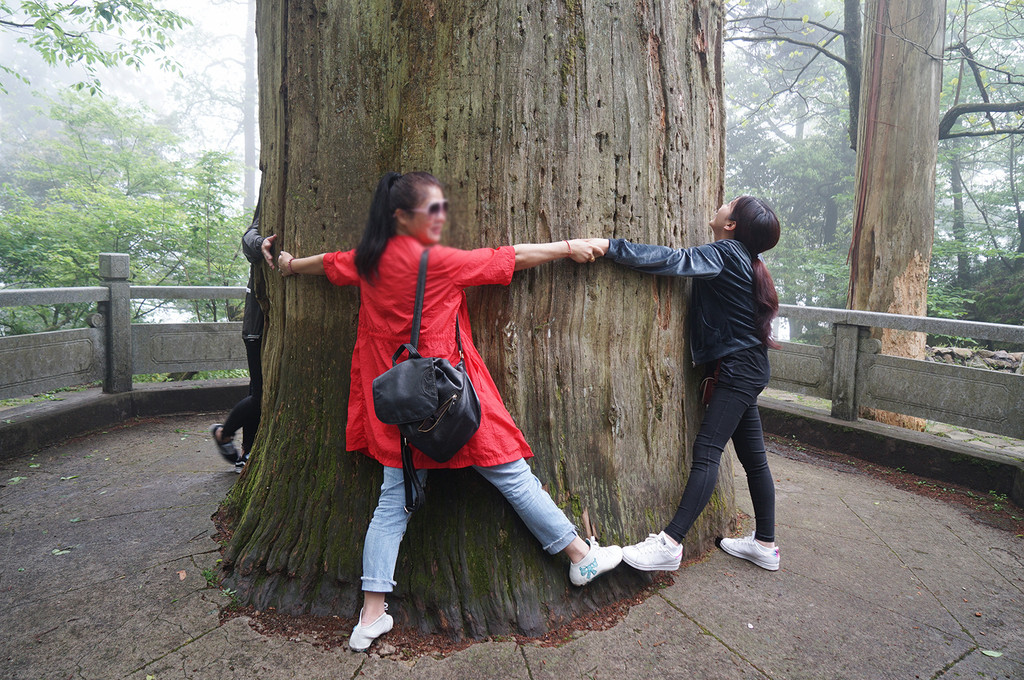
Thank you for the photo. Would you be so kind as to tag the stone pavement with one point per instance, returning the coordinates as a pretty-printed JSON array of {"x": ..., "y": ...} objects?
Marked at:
[{"x": 104, "y": 541}]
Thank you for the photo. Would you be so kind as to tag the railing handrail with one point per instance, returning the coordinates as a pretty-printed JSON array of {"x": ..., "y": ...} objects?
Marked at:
[
  {"x": 23, "y": 297},
  {"x": 187, "y": 292},
  {"x": 19, "y": 297},
  {"x": 846, "y": 368},
  {"x": 926, "y": 324}
]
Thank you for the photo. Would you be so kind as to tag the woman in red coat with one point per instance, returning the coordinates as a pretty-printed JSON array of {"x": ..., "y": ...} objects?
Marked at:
[{"x": 408, "y": 214}]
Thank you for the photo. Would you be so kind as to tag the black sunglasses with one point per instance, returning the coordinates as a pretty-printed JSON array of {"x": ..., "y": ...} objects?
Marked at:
[{"x": 433, "y": 209}]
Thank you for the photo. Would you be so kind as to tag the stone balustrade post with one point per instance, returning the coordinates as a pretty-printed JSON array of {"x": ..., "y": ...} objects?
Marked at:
[
  {"x": 844, "y": 372},
  {"x": 114, "y": 272}
]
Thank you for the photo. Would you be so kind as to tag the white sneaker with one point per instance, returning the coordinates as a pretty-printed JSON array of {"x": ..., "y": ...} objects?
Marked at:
[
  {"x": 597, "y": 561},
  {"x": 362, "y": 636},
  {"x": 657, "y": 553},
  {"x": 747, "y": 548}
]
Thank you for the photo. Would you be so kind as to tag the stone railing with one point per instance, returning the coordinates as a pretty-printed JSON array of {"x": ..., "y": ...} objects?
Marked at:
[
  {"x": 848, "y": 370},
  {"x": 113, "y": 349}
]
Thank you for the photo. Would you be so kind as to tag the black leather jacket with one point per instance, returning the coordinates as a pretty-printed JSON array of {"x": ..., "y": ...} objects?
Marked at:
[
  {"x": 722, "y": 305},
  {"x": 252, "y": 244}
]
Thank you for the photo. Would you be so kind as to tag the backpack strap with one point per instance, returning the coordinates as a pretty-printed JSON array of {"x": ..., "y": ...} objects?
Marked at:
[
  {"x": 421, "y": 286},
  {"x": 414, "y": 494}
]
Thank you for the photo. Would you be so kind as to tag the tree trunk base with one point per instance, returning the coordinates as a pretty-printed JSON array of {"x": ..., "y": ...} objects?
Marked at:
[{"x": 469, "y": 600}]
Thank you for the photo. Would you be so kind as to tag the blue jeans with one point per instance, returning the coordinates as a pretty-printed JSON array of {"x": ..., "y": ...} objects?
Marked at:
[{"x": 514, "y": 480}]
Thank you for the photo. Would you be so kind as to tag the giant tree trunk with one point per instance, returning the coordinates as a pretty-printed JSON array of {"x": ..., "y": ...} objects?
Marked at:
[
  {"x": 896, "y": 154},
  {"x": 545, "y": 121}
]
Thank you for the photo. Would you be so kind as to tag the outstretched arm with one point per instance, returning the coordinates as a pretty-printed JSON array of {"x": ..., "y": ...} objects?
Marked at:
[
  {"x": 699, "y": 262},
  {"x": 579, "y": 250},
  {"x": 314, "y": 264}
]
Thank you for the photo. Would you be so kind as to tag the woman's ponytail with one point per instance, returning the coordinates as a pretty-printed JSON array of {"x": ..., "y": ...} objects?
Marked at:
[
  {"x": 380, "y": 227},
  {"x": 394, "y": 192},
  {"x": 757, "y": 228},
  {"x": 766, "y": 302}
]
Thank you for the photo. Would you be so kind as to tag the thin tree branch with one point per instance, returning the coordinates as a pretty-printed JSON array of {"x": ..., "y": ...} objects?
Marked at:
[
  {"x": 951, "y": 116},
  {"x": 799, "y": 20},
  {"x": 790, "y": 41},
  {"x": 985, "y": 133}
]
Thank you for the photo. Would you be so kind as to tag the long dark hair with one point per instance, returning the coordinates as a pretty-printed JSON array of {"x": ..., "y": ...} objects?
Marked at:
[
  {"x": 394, "y": 192},
  {"x": 757, "y": 228}
]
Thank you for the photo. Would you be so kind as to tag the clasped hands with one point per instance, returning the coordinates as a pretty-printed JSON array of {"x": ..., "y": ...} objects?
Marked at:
[{"x": 584, "y": 250}]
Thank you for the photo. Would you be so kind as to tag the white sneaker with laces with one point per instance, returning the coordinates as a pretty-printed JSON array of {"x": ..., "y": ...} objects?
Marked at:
[
  {"x": 597, "y": 561},
  {"x": 362, "y": 636},
  {"x": 747, "y": 548},
  {"x": 657, "y": 553}
]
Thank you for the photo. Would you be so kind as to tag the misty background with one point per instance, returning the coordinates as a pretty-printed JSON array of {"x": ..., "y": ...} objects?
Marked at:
[{"x": 161, "y": 163}]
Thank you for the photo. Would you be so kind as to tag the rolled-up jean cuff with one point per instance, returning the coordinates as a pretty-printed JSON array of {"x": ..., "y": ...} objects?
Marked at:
[
  {"x": 560, "y": 545},
  {"x": 376, "y": 585}
]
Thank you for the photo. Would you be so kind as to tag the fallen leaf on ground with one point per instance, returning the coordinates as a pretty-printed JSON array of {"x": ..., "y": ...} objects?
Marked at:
[
  {"x": 989, "y": 652},
  {"x": 181, "y": 575}
]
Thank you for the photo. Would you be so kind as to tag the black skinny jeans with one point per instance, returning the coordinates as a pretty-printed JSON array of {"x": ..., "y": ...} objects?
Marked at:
[
  {"x": 246, "y": 413},
  {"x": 732, "y": 414}
]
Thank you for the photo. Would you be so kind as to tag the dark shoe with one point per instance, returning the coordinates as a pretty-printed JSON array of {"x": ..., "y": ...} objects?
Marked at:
[{"x": 227, "y": 449}]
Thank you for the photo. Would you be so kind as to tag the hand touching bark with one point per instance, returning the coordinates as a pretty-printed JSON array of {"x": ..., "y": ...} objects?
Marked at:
[{"x": 266, "y": 247}]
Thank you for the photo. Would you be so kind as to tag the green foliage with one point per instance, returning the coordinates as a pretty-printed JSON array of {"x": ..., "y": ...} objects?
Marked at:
[
  {"x": 999, "y": 297},
  {"x": 212, "y": 579},
  {"x": 977, "y": 270},
  {"x": 787, "y": 142},
  {"x": 110, "y": 180},
  {"x": 791, "y": 149},
  {"x": 947, "y": 301},
  {"x": 99, "y": 33}
]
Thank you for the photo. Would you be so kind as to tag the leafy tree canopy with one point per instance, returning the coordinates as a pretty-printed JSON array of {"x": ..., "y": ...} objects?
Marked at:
[
  {"x": 99, "y": 33},
  {"x": 111, "y": 180}
]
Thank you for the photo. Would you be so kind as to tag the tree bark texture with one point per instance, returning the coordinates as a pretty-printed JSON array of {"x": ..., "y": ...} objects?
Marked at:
[
  {"x": 545, "y": 121},
  {"x": 895, "y": 177}
]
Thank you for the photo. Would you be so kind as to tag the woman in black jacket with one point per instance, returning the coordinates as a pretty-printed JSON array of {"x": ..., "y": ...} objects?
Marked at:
[
  {"x": 734, "y": 301},
  {"x": 246, "y": 413}
]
